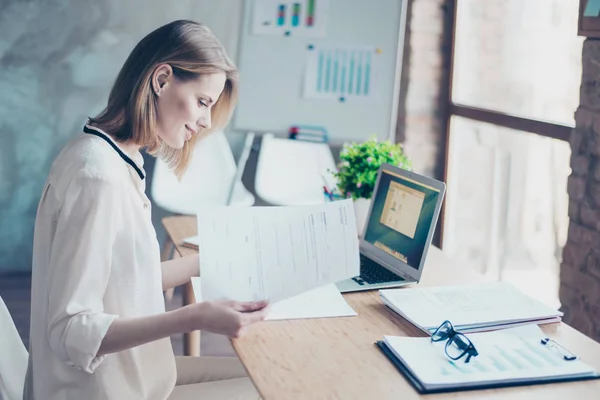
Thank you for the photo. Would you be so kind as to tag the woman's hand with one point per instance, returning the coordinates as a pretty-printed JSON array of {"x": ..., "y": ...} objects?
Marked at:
[{"x": 228, "y": 318}]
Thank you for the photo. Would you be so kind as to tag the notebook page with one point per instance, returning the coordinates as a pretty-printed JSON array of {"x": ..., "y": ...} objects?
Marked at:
[
  {"x": 466, "y": 305},
  {"x": 507, "y": 355},
  {"x": 276, "y": 252}
]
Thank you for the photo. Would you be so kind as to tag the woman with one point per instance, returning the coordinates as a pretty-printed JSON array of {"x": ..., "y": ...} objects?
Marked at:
[{"x": 99, "y": 329}]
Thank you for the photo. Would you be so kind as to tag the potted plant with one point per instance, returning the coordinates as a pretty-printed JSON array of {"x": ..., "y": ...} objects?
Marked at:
[{"x": 357, "y": 172}]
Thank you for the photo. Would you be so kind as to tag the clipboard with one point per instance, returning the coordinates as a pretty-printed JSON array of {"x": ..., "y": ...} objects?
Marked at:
[{"x": 420, "y": 387}]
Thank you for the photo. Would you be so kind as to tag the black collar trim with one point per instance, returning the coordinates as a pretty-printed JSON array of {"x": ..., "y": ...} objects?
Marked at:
[{"x": 124, "y": 156}]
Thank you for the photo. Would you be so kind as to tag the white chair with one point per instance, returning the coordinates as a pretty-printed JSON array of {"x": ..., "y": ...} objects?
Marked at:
[
  {"x": 209, "y": 180},
  {"x": 293, "y": 172},
  {"x": 13, "y": 358}
]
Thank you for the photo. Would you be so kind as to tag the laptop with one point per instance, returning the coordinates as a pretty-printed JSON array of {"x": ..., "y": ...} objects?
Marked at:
[{"x": 402, "y": 218}]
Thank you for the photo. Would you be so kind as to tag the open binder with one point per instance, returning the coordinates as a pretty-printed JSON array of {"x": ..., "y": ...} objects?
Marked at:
[{"x": 512, "y": 357}]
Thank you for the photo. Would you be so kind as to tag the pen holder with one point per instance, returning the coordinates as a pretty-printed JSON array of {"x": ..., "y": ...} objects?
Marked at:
[{"x": 331, "y": 197}]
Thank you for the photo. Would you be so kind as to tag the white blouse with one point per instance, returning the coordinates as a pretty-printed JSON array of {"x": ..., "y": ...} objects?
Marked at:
[{"x": 96, "y": 258}]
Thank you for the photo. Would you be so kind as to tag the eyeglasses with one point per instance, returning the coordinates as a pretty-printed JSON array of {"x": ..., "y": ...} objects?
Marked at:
[{"x": 457, "y": 345}]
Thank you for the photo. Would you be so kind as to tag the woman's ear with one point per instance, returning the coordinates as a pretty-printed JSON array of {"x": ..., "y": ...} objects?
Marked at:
[{"x": 161, "y": 77}]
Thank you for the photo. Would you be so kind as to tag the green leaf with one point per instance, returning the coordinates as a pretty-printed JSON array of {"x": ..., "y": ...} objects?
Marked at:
[{"x": 360, "y": 162}]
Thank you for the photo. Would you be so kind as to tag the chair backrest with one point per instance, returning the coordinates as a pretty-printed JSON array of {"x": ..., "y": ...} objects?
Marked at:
[
  {"x": 241, "y": 166},
  {"x": 292, "y": 172},
  {"x": 207, "y": 181},
  {"x": 13, "y": 358}
]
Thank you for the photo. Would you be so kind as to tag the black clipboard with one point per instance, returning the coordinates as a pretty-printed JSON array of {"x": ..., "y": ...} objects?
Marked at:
[{"x": 418, "y": 385}]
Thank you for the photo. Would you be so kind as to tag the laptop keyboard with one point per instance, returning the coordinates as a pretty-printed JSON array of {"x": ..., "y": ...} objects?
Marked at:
[{"x": 371, "y": 273}]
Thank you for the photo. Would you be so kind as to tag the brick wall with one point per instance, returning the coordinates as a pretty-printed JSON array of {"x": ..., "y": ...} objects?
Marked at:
[
  {"x": 580, "y": 269},
  {"x": 422, "y": 111},
  {"x": 424, "y": 89}
]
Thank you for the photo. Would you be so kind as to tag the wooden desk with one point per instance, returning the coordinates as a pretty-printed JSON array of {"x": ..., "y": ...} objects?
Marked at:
[{"x": 336, "y": 358}]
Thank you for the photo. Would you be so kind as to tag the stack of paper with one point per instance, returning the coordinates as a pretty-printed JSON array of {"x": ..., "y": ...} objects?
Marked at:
[
  {"x": 506, "y": 358},
  {"x": 470, "y": 308}
]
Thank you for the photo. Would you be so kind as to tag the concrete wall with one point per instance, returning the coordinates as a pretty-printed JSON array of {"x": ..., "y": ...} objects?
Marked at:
[{"x": 58, "y": 60}]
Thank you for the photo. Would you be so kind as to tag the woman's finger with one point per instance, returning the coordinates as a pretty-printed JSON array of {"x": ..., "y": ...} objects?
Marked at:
[
  {"x": 249, "y": 318},
  {"x": 250, "y": 306}
]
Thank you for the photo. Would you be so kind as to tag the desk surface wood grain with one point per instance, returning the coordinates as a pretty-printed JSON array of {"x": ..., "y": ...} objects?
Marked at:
[{"x": 336, "y": 358}]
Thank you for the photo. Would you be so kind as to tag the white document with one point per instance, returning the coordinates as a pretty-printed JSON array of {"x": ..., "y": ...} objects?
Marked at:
[
  {"x": 323, "y": 302},
  {"x": 466, "y": 305},
  {"x": 342, "y": 73},
  {"x": 276, "y": 253},
  {"x": 298, "y": 18},
  {"x": 191, "y": 241},
  {"x": 197, "y": 288},
  {"x": 506, "y": 355}
]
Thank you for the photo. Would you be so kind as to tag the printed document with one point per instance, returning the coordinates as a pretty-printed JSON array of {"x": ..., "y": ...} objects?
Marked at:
[
  {"x": 504, "y": 356},
  {"x": 467, "y": 306},
  {"x": 253, "y": 253}
]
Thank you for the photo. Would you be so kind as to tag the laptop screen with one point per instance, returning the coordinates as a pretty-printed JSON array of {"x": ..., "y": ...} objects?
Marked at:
[{"x": 401, "y": 217}]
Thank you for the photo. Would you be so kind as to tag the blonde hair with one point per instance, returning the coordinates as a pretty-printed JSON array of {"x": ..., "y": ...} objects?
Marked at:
[{"x": 191, "y": 49}]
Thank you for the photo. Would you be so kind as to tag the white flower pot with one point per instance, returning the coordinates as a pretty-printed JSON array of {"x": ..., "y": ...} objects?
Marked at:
[{"x": 361, "y": 209}]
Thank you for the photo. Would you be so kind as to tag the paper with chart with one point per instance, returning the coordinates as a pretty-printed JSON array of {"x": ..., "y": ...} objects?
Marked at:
[
  {"x": 251, "y": 253},
  {"x": 506, "y": 355},
  {"x": 322, "y": 302},
  {"x": 342, "y": 73},
  {"x": 306, "y": 18}
]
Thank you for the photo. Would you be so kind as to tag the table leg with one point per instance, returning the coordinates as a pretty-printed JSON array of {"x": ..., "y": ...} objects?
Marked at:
[
  {"x": 191, "y": 340},
  {"x": 165, "y": 255}
]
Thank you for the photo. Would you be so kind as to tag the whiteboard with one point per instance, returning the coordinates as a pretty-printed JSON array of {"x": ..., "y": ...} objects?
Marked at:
[{"x": 274, "y": 67}]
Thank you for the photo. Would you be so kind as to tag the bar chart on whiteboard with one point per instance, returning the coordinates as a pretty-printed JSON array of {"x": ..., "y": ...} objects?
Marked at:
[
  {"x": 342, "y": 73},
  {"x": 305, "y": 18}
]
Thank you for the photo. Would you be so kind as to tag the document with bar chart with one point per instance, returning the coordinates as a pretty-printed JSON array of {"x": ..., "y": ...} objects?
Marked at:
[
  {"x": 342, "y": 73},
  {"x": 305, "y": 18},
  {"x": 507, "y": 357}
]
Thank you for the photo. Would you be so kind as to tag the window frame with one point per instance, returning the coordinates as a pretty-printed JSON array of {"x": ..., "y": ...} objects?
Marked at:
[{"x": 536, "y": 126}]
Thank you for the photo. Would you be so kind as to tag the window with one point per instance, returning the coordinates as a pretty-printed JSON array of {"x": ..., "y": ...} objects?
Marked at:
[
  {"x": 518, "y": 57},
  {"x": 515, "y": 88},
  {"x": 508, "y": 217}
]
